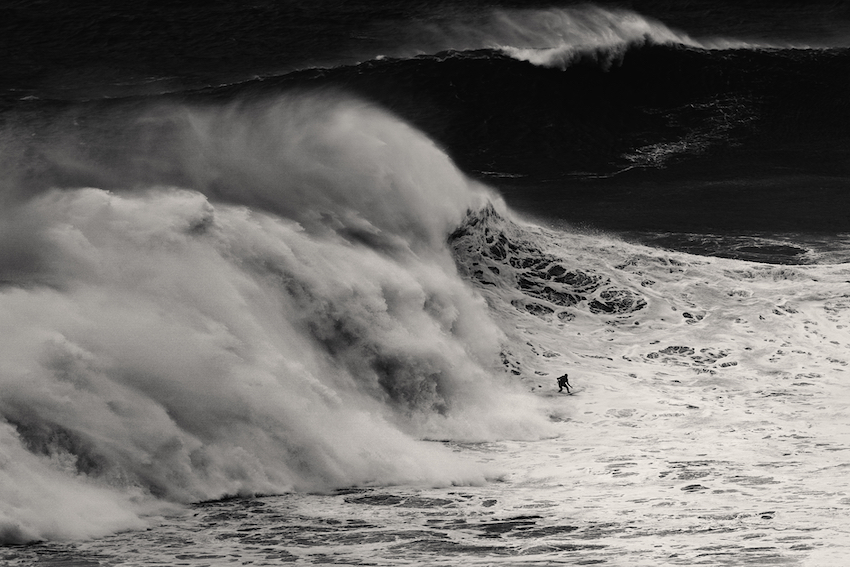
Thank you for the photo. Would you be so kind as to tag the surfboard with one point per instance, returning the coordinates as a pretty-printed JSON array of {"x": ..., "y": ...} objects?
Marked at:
[{"x": 551, "y": 394}]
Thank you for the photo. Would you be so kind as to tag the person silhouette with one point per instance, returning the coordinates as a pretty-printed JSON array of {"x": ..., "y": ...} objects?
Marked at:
[{"x": 563, "y": 382}]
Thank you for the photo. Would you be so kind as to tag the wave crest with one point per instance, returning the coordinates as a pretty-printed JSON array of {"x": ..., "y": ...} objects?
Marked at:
[
  {"x": 286, "y": 317},
  {"x": 559, "y": 37}
]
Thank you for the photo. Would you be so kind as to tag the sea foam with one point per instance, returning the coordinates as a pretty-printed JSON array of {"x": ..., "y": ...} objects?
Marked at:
[{"x": 258, "y": 298}]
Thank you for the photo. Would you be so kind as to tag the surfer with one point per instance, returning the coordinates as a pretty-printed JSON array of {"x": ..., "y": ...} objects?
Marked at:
[{"x": 563, "y": 382}]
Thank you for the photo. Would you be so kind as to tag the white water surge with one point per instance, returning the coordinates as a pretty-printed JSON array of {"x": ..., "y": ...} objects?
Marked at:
[
  {"x": 300, "y": 319},
  {"x": 265, "y": 303}
]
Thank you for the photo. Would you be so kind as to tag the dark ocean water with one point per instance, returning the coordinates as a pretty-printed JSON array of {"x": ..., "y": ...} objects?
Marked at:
[
  {"x": 674, "y": 123},
  {"x": 319, "y": 248}
]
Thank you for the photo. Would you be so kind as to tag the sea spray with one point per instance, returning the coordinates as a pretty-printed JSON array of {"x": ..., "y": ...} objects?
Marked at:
[
  {"x": 555, "y": 37},
  {"x": 262, "y": 302}
]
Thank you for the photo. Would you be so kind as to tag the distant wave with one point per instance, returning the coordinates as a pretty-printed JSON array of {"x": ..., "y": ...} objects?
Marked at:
[
  {"x": 557, "y": 37},
  {"x": 553, "y": 37},
  {"x": 550, "y": 38}
]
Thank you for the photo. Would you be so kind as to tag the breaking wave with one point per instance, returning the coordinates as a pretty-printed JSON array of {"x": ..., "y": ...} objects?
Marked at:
[
  {"x": 301, "y": 292},
  {"x": 235, "y": 299},
  {"x": 558, "y": 37}
]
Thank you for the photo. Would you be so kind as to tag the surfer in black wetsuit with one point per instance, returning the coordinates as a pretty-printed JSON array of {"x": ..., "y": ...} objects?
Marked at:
[{"x": 563, "y": 382}]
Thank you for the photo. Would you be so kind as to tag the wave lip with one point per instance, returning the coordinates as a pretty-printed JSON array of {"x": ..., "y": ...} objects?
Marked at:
[{"x": 558, "y": 37}]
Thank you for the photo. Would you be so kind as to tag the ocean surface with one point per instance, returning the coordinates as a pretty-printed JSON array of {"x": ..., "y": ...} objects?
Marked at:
[{"x": 289, "y": 282}]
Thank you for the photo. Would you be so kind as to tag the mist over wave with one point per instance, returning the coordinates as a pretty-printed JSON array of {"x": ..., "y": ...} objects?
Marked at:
[
  {"x": 235, "y": 299},
  {"x": 558, "y": 37}
]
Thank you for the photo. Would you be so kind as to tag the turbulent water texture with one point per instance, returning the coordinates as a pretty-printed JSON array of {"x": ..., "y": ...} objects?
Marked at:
[
  {"x": 707, "y": 426},
  {"x": 275, "y": 284},
  {"x": 161, "y": 343}
]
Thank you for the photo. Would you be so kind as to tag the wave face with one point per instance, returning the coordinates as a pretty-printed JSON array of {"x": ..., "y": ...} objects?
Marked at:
[
  {"x": 288, "y": 317},
  {"x": 669, "y": 138}
]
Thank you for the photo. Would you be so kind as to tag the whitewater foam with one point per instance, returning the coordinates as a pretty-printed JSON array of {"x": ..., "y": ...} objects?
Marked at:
[{"x": 288, "y": 317}]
